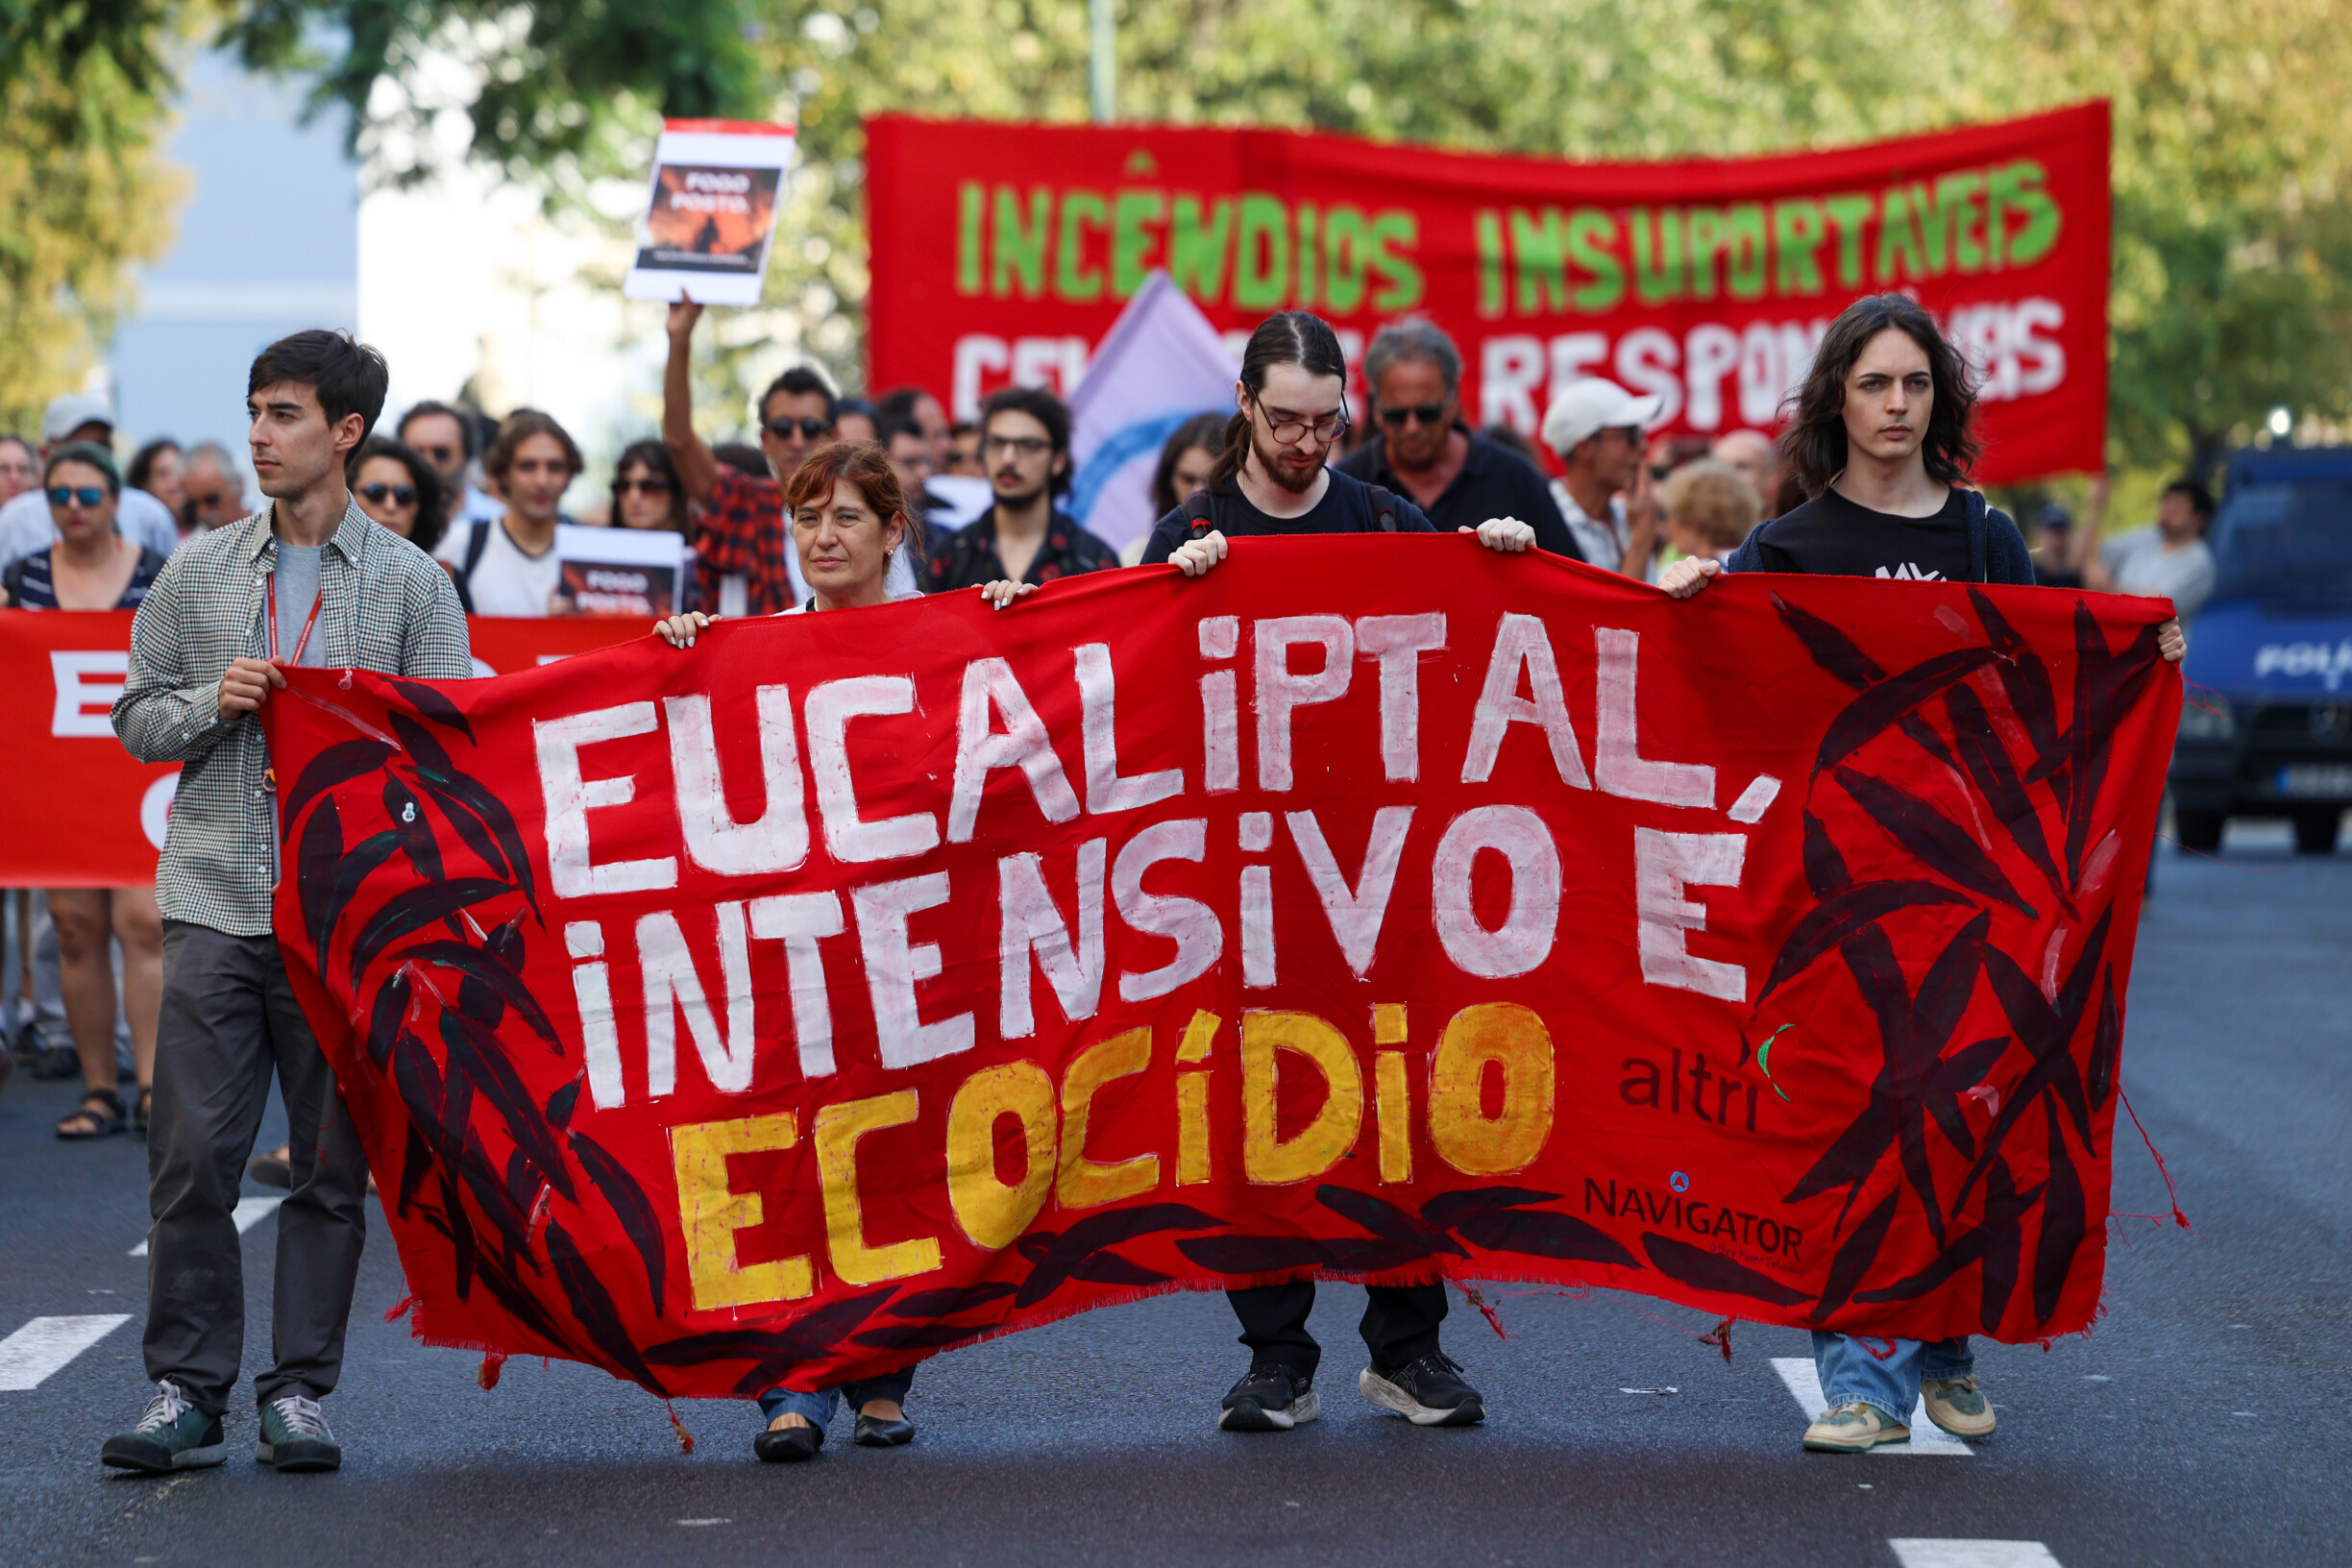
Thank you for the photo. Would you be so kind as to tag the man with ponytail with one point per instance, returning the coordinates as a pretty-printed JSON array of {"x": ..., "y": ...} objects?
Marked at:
[{"x": 1271, "y": 480}]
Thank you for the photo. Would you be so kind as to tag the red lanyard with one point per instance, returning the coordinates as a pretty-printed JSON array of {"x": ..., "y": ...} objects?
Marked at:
[{"x": 301, "y": 642}]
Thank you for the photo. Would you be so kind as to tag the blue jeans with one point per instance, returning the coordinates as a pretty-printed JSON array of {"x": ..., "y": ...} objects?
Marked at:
[
  {"x": 818, "y": 1408},
  {"x": 1852, "y": 1371}
]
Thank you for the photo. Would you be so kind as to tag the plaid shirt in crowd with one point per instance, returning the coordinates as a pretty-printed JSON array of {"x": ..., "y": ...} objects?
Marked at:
[
  {"x": 967, "y": 558},
  {"x": 383, "y": 606},
  {"x": 742, "y": 535}
]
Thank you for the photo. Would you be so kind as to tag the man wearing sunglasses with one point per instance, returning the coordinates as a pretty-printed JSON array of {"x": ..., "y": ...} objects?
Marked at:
[
  {"x": 446, "y": 438},
  {"x": 745, "y": 563},
  {"x": 1425, "y": 453}
]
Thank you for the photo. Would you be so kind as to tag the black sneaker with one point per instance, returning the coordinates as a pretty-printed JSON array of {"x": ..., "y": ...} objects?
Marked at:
[
  {"x": 295, "y": 1438},
  {"x": 173, "y": 1434},
  {"x": 1272, "y": 1398},
  {"x": 1429, "y": 1392}
]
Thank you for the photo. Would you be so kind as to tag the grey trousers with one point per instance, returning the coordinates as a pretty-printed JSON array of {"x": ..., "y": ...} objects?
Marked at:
[{"x": 229, "y": 1016}]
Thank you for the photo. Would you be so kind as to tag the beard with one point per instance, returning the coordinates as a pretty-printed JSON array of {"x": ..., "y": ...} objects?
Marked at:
[
  {"x": 1270, "y": 463},
  {"x": 1016, "y": 500}
]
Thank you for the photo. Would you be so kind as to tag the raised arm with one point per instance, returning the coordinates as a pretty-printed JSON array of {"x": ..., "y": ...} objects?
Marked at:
[{"x": 696, "y": 465}]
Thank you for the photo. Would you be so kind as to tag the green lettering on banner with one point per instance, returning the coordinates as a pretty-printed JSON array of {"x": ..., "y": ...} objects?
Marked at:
[
  {"x": 1898, "y": 243},
  {"x": 1592, "y": 245},
  {"x": 1798, "y": 231},
  {"x": 1074, "y": 279},
  {"x": 1262, "y": 259},
  {"x": 971, "y": 202},
  {"x": 1744, "y": 234},
  {"x": 1197, "y": 250},
  {"x": 1345, "y": 240},
  {"x": 1935, "y": 233},
  {"x": 1707, "y": 243},
  {"x": 1135, "y": 218},
  {"x": 1401, "y": 274},
  {"x": 1848, "y": 215},
  {"x": 1539, "y": 251},
  {"x": 1310, "y": 253},
  {"x": 2026, "y": 195},
  {"x": 1657, "y": 255},
  {"x": 1489, "y": 225},
  {"x": 1018, "y": 253},
  {"x": 1960, "y": 195}
]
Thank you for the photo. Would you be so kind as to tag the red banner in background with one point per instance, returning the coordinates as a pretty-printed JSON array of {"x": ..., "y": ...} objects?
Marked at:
[
  {"x": 854, "y": 986},
  {"x": 81, "y": 812},
  {"x": 1002, "y": 252}
]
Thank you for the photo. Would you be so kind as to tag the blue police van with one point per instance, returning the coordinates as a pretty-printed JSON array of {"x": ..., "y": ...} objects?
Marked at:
[{"x": 2268, "y": 727}]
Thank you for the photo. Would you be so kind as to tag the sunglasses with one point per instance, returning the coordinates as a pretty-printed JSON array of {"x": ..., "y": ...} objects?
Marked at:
[
  {"x": 86, "y": 496},
  {"x": 644, "y": 487},
  {"x": 811, "y": 428},
  {"x": 1428, "y": 413},
  {"x": 403, "y": 495}
]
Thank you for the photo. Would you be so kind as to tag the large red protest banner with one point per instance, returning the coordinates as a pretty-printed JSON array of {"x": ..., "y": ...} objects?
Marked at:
[
  {"x": 857, "y": 985},
  {"x": 81, "y": 812},
  {"x": 1001, "y": 253}
]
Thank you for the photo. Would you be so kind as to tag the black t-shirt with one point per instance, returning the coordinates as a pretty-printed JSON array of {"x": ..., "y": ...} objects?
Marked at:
[
  {"x": 1832, "y": 536},
  {"x": 1346, "y": 507},
  {"x": 1494, "y": 482}
]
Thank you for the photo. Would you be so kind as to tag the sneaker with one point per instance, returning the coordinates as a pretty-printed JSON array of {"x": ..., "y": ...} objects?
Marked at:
[
  {"x": 1429, "y": 1392},
  {"x": 294, "y": 1436},
  {"x": 1853, "y": 1428},
  {"x": 173, "y": 1434},
  {"x": 1272, "y": 1398},
  {"x": 1954, "y": 1405}
]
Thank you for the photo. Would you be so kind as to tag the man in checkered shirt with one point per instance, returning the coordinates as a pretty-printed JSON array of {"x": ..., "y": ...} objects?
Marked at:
[{"x": 308, "y": 581}]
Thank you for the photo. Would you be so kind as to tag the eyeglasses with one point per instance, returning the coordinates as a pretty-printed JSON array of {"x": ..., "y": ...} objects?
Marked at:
[
  {"x": 1028, "y": 445},
  {"x": 1290, "y": 427},
  {"x": 403, "y": 495},
  {"x": 86, "y": 496},
  {"x": 783, "y": 429},
  {"x": 643, "y": 487},
  {"x": 1428, "y": 413}
]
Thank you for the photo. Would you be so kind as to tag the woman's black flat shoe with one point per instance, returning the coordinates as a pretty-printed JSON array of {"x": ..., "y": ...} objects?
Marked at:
[
  {"x": 791, "y": 1445},
  {"x": 874, "y": 1432}
]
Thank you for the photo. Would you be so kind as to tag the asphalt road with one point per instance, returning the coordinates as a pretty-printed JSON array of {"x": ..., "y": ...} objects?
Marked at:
[{"x": 2203, "y": 1421}]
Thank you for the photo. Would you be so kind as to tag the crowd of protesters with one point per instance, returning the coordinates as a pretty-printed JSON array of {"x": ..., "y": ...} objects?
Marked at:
[{"x": 835, "y": 508}]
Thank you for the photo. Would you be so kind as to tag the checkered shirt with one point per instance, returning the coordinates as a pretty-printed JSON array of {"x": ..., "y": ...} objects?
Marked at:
[
  {"x": 741, "y": 532},
  {"x": 383, "y": 606}
]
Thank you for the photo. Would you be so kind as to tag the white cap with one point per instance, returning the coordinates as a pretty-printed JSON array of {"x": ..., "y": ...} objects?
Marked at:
[
  {"x": 1585, "y": 408},
  {"x": 70, "y": 411}
]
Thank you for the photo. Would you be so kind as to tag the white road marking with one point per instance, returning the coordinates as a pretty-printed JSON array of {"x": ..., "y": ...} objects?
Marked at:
[
  {"x": 1929, "y": 1552},
  {"x": 1926, "y": 1438},
  {"x": 249, "y": 1213},
  {"x": 46, "y": 1344}
]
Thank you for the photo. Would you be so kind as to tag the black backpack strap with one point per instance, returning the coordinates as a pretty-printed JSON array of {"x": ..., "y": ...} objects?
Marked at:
[
  {"x": 477, "y": 542},
  {"x": 1196, "y": 511},
  {"x": 1384, "y": 508}
]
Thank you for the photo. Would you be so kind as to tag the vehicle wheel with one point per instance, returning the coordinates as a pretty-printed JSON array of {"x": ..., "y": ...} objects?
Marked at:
[
  {"x": 2316, "y": 831},
  {"x": 2199, "y": 831}
]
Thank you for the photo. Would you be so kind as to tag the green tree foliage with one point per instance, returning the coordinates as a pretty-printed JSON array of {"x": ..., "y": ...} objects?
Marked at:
[
  {"x": 2233, "y": 219},
  {"x": 81, "y": 93}
]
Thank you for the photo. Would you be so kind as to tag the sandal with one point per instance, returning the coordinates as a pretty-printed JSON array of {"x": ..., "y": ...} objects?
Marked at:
[
  {"x": 101, "y": 1111},
  {"x": 142, "y": 1107}
]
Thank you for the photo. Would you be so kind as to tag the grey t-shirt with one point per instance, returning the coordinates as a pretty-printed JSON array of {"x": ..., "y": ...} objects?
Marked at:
[
  {"x": 298, "y": 590},
  {"x": 2141, "y": 564}
]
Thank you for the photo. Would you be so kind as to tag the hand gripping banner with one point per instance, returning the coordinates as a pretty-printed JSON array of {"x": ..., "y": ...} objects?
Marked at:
[{"x": 858, "y": 985}]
